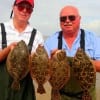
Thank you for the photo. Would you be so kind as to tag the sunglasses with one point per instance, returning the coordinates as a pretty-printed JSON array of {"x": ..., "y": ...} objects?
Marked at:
[
  {"x": 70, "y": 17},
  {"x": 21, "y": 7}
]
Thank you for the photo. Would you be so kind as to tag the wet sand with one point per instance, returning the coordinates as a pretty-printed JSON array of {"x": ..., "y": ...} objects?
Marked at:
[
  {"x": 47, "y": 87},
  {"x": 98, "y": 86}
]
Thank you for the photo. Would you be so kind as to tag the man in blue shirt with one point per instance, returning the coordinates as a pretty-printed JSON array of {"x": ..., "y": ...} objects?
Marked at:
[{"x": 69, "y": 39}]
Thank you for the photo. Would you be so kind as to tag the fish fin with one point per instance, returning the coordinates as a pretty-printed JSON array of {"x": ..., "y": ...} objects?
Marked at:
[
  {"x": 40, "y": 89},
  {"x": 15, "y": 85}
]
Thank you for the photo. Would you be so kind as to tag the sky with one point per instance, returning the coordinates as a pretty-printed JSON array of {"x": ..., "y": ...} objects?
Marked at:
[{"x": 45, "y": 16}]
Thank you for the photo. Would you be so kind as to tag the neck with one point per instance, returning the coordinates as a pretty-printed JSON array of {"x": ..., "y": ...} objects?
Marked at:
[
  {"x": 20, "y": 26},
  {"x": 70, "y": 37},
  {"x": 70, "y": 34}
]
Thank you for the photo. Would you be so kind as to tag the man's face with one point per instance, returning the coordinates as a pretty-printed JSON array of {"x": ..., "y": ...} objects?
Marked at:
[
  {"x": 22, "y": 11},
  {"x": 69, "y": 20}
]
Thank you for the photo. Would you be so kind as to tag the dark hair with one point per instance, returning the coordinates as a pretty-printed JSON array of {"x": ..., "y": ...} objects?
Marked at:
[{"x": 12, "y": 10}]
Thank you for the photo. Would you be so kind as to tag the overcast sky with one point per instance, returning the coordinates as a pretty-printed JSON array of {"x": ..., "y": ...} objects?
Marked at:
[{"x": 45, "y": 17}]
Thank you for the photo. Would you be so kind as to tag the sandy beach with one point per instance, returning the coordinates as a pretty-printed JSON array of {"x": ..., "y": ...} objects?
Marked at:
[
  {"x": 98, "y": 86},
  {"x": 47, "y": 87}
]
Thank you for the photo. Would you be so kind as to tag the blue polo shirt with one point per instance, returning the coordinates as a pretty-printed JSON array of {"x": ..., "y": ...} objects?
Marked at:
[{"x": 92, "y": 47}]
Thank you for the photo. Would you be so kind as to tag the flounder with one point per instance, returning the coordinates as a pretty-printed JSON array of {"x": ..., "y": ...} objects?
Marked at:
[
  {"x": 40, "y": 70},
  {"x": 60, "y": 73},
  {"x": 84, "y": 72},
  {"x": 18, "y": 64}
]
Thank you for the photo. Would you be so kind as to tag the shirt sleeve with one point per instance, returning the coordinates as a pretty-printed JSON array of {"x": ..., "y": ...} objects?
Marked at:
[{"x": 97, "y": 49}]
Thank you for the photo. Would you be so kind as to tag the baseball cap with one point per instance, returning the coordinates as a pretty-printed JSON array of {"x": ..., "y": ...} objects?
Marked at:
[{"x": 31, "y": 2}]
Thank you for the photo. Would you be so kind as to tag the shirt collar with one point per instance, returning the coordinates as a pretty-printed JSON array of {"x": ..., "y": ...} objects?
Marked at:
[{"x": 28, "y": 28}]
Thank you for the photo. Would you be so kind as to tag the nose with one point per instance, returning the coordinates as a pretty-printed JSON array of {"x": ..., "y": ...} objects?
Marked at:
[
  {"x": 24, "y": 9},
  {"x": 67, "y": 19}
]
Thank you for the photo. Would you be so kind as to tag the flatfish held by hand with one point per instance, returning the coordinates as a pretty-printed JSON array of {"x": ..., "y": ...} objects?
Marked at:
[
  {"x": 40, "y": 70},
  {"x": 18, "y": 63},
  {"x": 60, "y": 73},
  {"x": 84, "y": 72}
]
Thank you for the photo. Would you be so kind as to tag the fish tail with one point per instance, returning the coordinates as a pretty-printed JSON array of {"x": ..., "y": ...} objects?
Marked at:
[
  {"x": 86, "y": 96},
  {"x": 41, "y": 89},
  {"x": 55, "y": 95},
  {"x": 15, "y": 85}
]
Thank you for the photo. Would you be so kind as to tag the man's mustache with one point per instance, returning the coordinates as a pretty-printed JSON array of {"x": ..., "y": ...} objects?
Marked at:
[{"x": 67, "y": 24}]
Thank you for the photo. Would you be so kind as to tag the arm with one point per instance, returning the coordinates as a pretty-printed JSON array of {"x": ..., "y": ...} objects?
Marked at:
[
  {"x": 97, "y": 65},
  {"x": 5, "y": 51}
]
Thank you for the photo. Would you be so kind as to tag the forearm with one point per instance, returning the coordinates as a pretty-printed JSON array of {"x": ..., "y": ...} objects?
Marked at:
[
  {"x": 4, "y": 53},
  {"x": 97, "y": 65}
]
